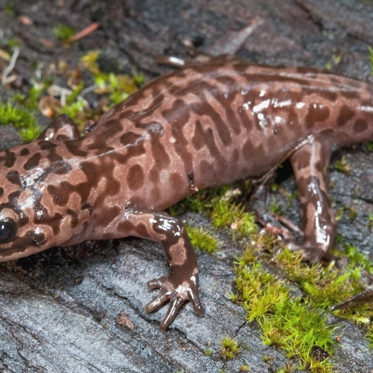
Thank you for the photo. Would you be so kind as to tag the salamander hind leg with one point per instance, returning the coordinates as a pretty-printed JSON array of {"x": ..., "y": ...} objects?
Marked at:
[
  {"x": 181, "y": 284},
  {"x": 310, "y": 165}
]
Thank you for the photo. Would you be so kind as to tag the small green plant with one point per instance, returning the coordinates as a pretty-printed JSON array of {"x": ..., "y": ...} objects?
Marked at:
[
  {"x": 21, "y": 118},
  {"x": 342, "y": 165},
  {"x": 340, "y": 213},
  {"x": 369, "y": 146},
  {"x": 357, "y": 259},
  {"x": 370, "y": 221},
  {"x": 244, "y": 368},
  {"x": 370, "y": 337},
  {"x": 371, "y": 59},
  {"x": 9, "y": 9},
  {"x": 336, "y": 60},
  {"x": 229, "y": 347},
  {"x": 73, "y": 109},
  {"x": 293, "y": 324},
  {"x": 220, "y": 205},
  {"x": 119, "y": 87},
  {"x": 275, "y": 208},
  {"x": 288, "y": 368},
  {"x": 63, "y": 32},
  {"x": 202, "y": 240},
  {"x": 208, "y": 352}
]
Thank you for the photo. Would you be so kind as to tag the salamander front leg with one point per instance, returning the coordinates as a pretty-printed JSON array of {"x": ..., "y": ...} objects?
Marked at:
[
  {"x": 181, "y": 284},
  {"x": 60, "y": 128},
  {"x": 310, "y": 165}
]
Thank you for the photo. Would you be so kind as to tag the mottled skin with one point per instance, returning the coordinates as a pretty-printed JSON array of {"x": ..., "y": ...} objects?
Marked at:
[{"x": 198, "y": 127}]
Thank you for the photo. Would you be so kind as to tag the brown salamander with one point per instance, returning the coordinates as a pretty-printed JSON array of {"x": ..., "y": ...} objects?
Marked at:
[{"x": 197, "y": 127}]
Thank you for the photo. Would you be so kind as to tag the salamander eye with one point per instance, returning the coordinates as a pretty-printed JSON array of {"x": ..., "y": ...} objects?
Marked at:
[{"x": 8, "y": 229}]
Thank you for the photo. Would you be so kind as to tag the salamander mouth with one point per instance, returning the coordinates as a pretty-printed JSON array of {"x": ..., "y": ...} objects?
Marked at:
[{"x": 19, "y": 246}]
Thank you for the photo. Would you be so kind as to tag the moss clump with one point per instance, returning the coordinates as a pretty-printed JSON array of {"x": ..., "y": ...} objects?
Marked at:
[
  {"x": 327, "y": 286},
  {"x": 63, "y": 32},
  {"x": 244, "y": 368},
  {"x": 342, "y": 165},
  {"x": 202, "y": 240},
  {"x": 22, "y": 107},
  {"x": 229, "y": 347},
  {"x": 220, "y": 205},
  {"x": 275, "y": 208},
  {"x": 21, "y": 118},
  {"x": 118, "y": 87},
  {"x": 208, "y": 352},
  {"x": 294, "y": 325},
  {"x": 370, "y": 337}
]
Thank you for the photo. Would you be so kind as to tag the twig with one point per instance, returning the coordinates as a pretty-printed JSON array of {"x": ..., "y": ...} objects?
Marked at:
[
  {"x": 10, "y": 67},
  {"x": 83, "y": 33}
]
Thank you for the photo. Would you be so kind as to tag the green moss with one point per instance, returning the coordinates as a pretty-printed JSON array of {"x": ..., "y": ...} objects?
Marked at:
[
  {"x": 244, "y": 368},
  {"x": 73, "y": 109},
  {"x": 326, "y": 286},
  {"x": 371, "y": 59},
  {"x": 21, "y": 118},
  {"x": 9, "y": 9},
  {"x": 370, "y": 221},
  {"x": 298, "y": 325},
  {"x": 370, "y": 337},
  {"x": 31, "y": 101},
  {"x": 288, "y": 368},
  {"x": 342, "y": 210},
  {"x": 357, "y": 259},
  {"x": 293, "y": 324},
  {"x": 229, "y": 347},
  {"x": 118, "y": 87},
  {"x": 208, "y": 352},
  {"x": 21, "y": 109},
  {"x": 336, "y": 60},
  {"x": 202, "y": 240},
  {"x": 275, "y": 208},
  {"x": 219, "y": 204},
  {"x": 63, "y": 32},
  {"x": 342, "y": 165},
  {"x": 369, "y": 146}
]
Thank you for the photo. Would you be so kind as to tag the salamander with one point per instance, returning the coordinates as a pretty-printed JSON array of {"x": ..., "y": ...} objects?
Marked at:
[{"x": 201, "y": 126}]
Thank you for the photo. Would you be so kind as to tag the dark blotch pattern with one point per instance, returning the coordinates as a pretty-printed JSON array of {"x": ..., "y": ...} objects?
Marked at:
[
  {"x": 24, "y": 152},
  {"x": 360, "y": 125},
  {"x": 9, "y": 158},
  {"x": 345, "y": 114},
  {"x": 32, "y": 162},
  {"x": 316, "y": 113},
  {"x": 14, "y": 178},
  {"x": 135, "y": 177},
  {"x": 74, "y": 217}
]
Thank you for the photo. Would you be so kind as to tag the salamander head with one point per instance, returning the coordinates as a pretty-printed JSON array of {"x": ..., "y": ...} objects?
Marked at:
[
  {"x": 15, "y": 241},
  {"x": 19, "y": 235},
  {"x": 30, "y": 220}
]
